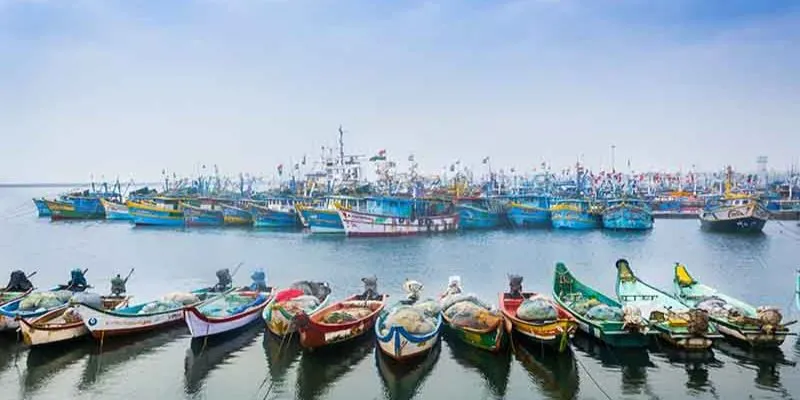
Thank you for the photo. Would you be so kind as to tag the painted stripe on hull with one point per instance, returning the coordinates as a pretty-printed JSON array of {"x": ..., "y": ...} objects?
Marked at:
[{"x": 362, "y": 224}]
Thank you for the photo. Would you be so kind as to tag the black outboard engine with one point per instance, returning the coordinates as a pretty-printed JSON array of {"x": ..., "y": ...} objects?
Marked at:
[
  {"x": 515, "y": 286},
  {"x": 19, "y": 282},
  {"x": 225, "y": 280},
  {"x": 370, "y": 289}
]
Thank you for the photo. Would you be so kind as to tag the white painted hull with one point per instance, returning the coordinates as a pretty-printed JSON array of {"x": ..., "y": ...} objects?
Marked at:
[
  {"x": 200, "y": 325},
  {"x": 364, "y": 224},
  {"x": 102, "y": 324},
  {"x": 8, "y": 323},
  {"x": 325, "y": 230},
  {"x": 400, "y": 348},
  {"x": 35, "y": 337}
]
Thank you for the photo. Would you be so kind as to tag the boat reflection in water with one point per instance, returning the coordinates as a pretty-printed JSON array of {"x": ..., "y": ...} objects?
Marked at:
[
  {"x": 696, "y": 363},
  {"x": 281, "y": 354},
  {"x": 631, "y": 362},
  {"x": 44, "y": 363},
  {"x": 321, "y": 368},
  {"x": 494, "y": 368},
  {"x": 556, "y": 374},
  {"x": 766, "y": 362},
  {"x": 124, "y": 349},
  {"x": 402, "y": 380},
  {"x": 203, "y": 356},
  {"x": 8, "y": 352}
]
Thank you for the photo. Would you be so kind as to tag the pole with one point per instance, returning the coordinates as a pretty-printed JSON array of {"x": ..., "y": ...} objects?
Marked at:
[{"x": 613, "y": 148}]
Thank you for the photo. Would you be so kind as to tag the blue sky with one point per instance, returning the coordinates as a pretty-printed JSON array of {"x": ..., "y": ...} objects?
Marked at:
[{"x": 131, "y": 87}]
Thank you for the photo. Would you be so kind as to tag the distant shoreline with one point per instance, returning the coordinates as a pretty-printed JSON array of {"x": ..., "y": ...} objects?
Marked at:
[{"x": 58, "y": 185}]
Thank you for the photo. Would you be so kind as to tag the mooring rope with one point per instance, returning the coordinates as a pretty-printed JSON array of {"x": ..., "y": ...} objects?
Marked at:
[
  {"x": 285, "y": 339},
  {"x": 600, "y": 388}
]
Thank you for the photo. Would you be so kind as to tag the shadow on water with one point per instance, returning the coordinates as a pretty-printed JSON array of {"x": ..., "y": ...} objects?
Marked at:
[
  {"x": 9, "y": 349},
  {"x": 400, "y": 380},
  {"x": 119, "y": 350},
  {"x": 203, "y": 356},
  {"x": 45, "y": 362},
  {"x": 281, "y": 354},
  {"x": 695, "y": 363},
  {"x": 632, "y": 363},
  {"x": 493, "y": 367},
  {"x": 320, "y": 369},
  {"x": 766, "y": 363},
  {"x": 556, "y": 374}
]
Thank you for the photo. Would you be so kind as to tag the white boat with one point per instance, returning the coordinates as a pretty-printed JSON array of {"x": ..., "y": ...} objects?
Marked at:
[
  {"x": 357, "y": 223},
  {"x": 60, "y": 325},
  {"x": 225, "y": 313},
  {"x": 396, "y": 341}
]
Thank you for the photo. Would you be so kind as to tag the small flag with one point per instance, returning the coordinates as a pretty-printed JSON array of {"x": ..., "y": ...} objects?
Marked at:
[
  {"x": 485, "y": 160},
  {"x": 280, "y": 169},
  {"x": 304, "y": 159}
]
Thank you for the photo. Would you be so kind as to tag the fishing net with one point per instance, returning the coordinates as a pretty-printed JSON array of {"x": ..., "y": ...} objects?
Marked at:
[
  {"x": 160, "y": 306},
  {"x": 90, "y": 299},
  {"x": 71, "y": 316},
  {"x": 305, "y": 303},
  {"x": 457, "y": 298},
  {"x": 582, "y": 307},
  {"x": 182, "y": 298},
  {"x": 44, "y": 300},
  {"x": 537, "y": 308},
  {"x": 603, "y": 312},
  {"x": 230, "y": 304},
  {"x": 429, "y": 306},
  {"x": 468, "y": 314},
  {"x": 348, "y": 314},
  {"x": 320, "y": 290},
  {"x": 413, "y": 319}
]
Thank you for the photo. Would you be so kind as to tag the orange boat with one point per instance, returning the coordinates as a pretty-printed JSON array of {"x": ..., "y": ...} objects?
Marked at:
[
  {"x": 339, "y": 322},
  {"x": 554, "y": 332}
]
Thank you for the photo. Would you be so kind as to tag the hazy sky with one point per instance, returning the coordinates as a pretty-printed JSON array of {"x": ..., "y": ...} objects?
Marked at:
[{"x": 131, "y": 87}]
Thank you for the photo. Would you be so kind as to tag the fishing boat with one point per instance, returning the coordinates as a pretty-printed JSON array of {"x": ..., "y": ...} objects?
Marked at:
[
  {"x": 554, "y": 328},
  {"x": 275, "y": 213},
  {"x": 479, "y": 213},
  {"x": 308, "y": 297},
  {"x": 529, "y": 212},
  {"x": 409, "y": 330},
  {"x": 399, "y": 217},
  {"x": 756, "y": 326},
  {"x": 236, "y": 215},
  {"x": 575, "y": 214},
  {"x": 76, "y": 207},
  {"x": 115, "y": 210},
  {"x": 205, "y": 214},
  {"x": 342, "y": 321},
  {"x": 12, "y": 311},
  {"x": 9, "y": 296},
  {"x": 627, "y": 214},
  {"x": 684, "y": 327},
  {"x": 734, "y": 212},
  {"x": 591, "y": 308},
  {"x": 141, "y": 317},
  {"x": 41, "y": 207},
  {"x": 470, "y": 320},
  {"x": 61, "y": 325},
  {"x": 226, "y": 313},
  {"x": 157, "y": 211},
  {"x": 324, "y": 218}
]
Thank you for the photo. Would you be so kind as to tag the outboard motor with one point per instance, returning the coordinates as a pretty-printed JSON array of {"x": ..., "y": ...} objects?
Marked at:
[
  {"x": 77, "y": 283},
  {"x": 259, "y": 281},
  {"x": 225, "y": 281},
  {"x": 118, "y": 285},
  {"x": 18, "y": 282},
  {"x": 413, "y": 288},
  {"x": 370, "y": 289},
  {"x": 515, "y": 286}
]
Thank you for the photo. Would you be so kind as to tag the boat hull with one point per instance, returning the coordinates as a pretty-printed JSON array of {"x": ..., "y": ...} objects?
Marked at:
[
  {"x": 470, "y": 217},
  {"x": 753, "y": 337},
  {"x": 490, "y": 340},
  {"x": 41, "y": 207},
  {"x": 742, "y": 219},
  {"x": 315, "y": 334},
  {"x": 627, "y": 218},
  {"x": 236, "y": 216},
  {"x": 75, "y": 209},
  {"x": 570, "y": 219},
  {"x": 193, "y": 216},
  {"x": 523, "y": 216},
  {"x": 154, "y": 216},
  {"x": 360, "y": 224},
  {"x": 115, "y": 211},
  {"x": 402, "y": 346},
  {"x": 201, "y": 325},
  {"x": 102, "y": 324},
  {"x": 555, "y": 333},
  {"x": 280, "y": 321},
  {"x": 267, "y": 218},
  {"x": 323, "y": 221},
  {"x": 10, "y": 314},
  {"x": 38, "y": 331}
]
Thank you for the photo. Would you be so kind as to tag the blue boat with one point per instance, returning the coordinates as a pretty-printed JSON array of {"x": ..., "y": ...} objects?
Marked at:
[
  {"x": 41, "y": 207},
  {"x": 115, "y": 210},
  {"x": 479, "y": 213},
  {"x": 236, "y": 215},
  {"x": 324, "y": 218},
  {"x": 207, "y": 214},
  {"x": 157, "y": 211},
  {"x": 627, "y": 214},
  {"x": 529, "y": 212},
  {"x": 575, "y": 214},
  {"x": 275, "y": 213},
  {"x": 76, "y": 207}
]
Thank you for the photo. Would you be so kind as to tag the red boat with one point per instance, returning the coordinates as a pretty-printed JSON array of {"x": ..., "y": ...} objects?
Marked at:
[{"x": 342, "y": 321}]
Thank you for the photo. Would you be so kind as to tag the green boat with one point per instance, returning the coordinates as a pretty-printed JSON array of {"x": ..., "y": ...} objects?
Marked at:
[
  {"x": 628, "y": 330},
  {"x": 474, "y": 323},
  {"x": 684, "y": 327},
  {"x": 756, "y": 326}
]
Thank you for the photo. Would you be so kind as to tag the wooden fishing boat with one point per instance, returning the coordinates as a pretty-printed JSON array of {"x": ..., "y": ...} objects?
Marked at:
[
  {"x": 75, "y": 208},
  {"x": 675, "y": 323},
  {"x": 399, "y": 217},
  {"x": 225, "y": 313},
  {"x": 233, "y": 215},
  {"x": 734, "y": 212},
  {"x": 554, "y": 332},
  {"x": 115, "y": 210},
  {"x": 205, "y": 215},
  {"x": 9, "y": 296},
  {"x": 575, "y": 214},
  {"x": 627, "y": 214},
  {"x": 480, "y": 213},
  {"x": 279, "y": 315},
  {"x": 41, "y": 207},
  {"x": 275, "y": 216},
  {"x": 487, "y": 331},
  {"x": 10, "y": 314},
  {"x": 326, "y": 327},
  {"x": 134, "y": 319},
  {"x": 324, "y": 217},
  {"x": 529, "y": 212},
  {"x": 60, "y": 325},
  {"x": 756, "y": 326},
  {"x": 396, "y": 341},
  {"x": 630, "y": 330},
  {"x": 156, "y": 212}
]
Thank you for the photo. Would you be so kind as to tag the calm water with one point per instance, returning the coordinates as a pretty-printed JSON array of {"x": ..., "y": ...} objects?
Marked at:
[{"x": 250, "y": 365}]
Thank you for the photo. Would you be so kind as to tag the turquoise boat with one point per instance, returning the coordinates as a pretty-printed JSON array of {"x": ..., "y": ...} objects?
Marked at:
[
  {"x": 529, "y": 212},
  {"x": 479, "y": 213},
  {"x": 115, "y": 210},
  {"x": 756, "y": 326},
  {"x": 41, "y": 207},
  {"x": 575, "y": 214},
  {"x": 236, "y": 215},
  {"x": 684, "y": 327},
  {"x": 157, "y": 211},
  {"x": 275, "y": 213},
  {"x": 324, "y": 217},
  {"x": 629, "y": 330},
  {"x": 627, "y": 214},
  {"x": 208, "y": 214},
  {"x": 76, "y": 207}
]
